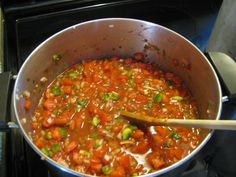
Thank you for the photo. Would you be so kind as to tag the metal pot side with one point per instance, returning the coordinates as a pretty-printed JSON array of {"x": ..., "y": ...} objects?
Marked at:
[{"x": 121, "y": 37}]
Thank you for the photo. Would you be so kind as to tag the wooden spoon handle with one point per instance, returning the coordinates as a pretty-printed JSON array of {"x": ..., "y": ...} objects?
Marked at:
[{"x": 196, "y": 123}]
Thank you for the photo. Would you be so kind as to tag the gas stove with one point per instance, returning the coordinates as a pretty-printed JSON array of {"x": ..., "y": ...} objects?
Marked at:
[{"x": 27, "y": 23}]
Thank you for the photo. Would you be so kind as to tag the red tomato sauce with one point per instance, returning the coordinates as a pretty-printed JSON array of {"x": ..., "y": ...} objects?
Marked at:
[{"x": 77, "y": 121}]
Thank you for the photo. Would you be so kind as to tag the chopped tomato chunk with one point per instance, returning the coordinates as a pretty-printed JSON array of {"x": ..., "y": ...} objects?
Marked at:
[
  {"x": 71, "y": 146},
  {"x": 60, "y": 121},
  {"x": 66, "y": 82},
  {"x": 118, "y": 172},
  {"x": 96, "y": 165},
  {"x": 67, "y": 89},
  {"x": 138, "y": 134},
  {"x": 56, "y": 134},
  {"x": 155, "y": 161},
  {"x": 141, "y": 148},
  {"x": 49, "y": 104},
  {"x": 138, "y": 56},
  {"x": 27, "y": 104},
  {"x": 125, "y": 162},
  {"x": 39, "y": 142}
]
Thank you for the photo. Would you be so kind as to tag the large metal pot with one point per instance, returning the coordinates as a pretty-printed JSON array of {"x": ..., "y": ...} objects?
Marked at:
[{"x": 122, "y": 37}]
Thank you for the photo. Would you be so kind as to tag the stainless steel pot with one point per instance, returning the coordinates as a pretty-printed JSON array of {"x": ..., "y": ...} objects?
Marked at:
[{"x": 122, "y": 37}]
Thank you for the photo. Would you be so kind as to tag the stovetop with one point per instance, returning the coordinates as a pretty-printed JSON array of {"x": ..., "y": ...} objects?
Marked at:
[{"x": 28, "y": 23}]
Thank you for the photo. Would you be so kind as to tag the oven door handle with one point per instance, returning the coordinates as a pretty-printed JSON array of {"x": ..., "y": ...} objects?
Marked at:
[
  {"x": 6, "y": 126},
  {"x": 6, "y": 80}
]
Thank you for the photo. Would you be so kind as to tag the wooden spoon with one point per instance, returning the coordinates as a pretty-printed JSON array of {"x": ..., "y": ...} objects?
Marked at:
[{"x": 196, "y": 123}]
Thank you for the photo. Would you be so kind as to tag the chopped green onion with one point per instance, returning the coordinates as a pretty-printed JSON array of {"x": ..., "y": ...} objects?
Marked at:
[
  {"x": 106, "y": 170},
  {"x": 94, "y": 134},
  {"x": 63, "y": 132},
  {"x": 67, "y": 106},
  {"x": 85, "y": 153},
  {"x": 55, "y": 148},
  {"x": 83, "y": 102},
  {"x": 148, "y": 106},
  {"x": 169, "y": 83},
  {"x": 126, "y": 133},
  {"x": 119, "y": 119},
  {"x": 166, "y": 145},
  {"x": 177, "y": 98},
  {"x": 133, "y": 164},
  {"x": 174, "y": 135},
  {"x": 73, "y": 74},
  {"x": 105, "y": 97},
  {"x": 63, "y": 95},
  {"x": 97, "y": 143},
  {"x": 157, "y": 98},
  {"x": 74, "y": 99},
  {"x": 48, "y": 135},
  {"x": 129, "y": 74},
  {"x": 114, "y": 96},
  {"x": 134, "y": 174},
  {"x": 80, "y": 69},
  {"x": 131, "y": 83},
  {"x": 133, "y": 127},
  {"x": 46, "y": 152},
  {"x": 95, "y": 121},
  {"x": 146, "y": 82},
  {"x": 110, "y": 96},
  {"x": 75, "y": 88},
  {"x": 56, "y": 57},
  {"x": 50, "y": 153},
  {"x": 56, "y": 91},
  {"x": 77, "y": 108},
  {"x": 57, "y": 111},
  {"x": 108, "y": 127}
]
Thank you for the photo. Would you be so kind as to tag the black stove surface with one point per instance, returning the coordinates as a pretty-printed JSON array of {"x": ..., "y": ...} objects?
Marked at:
[{"x": 27, "y": 26}]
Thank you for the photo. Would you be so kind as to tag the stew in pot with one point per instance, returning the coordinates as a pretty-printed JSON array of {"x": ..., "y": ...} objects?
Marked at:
[{"x": 77, "y": 121}]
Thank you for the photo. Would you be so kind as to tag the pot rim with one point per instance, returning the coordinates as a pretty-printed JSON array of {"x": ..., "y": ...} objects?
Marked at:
[{"x": 73, "y": 172}]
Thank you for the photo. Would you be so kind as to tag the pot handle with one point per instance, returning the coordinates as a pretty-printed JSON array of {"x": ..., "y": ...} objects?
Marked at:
[
  {"x": 6, "y": 126},
  {"x": 3, "y": 126},
  {"x": 5, "y": 87},
  {"x": 225, "y": 68}
]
